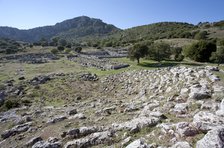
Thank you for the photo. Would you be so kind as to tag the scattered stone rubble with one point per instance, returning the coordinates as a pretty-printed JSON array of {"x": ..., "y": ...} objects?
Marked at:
[
  {"x": 179, "y": 105},
  {"x": 92, "y": 61},
  {"x": 31, "y": 58}
]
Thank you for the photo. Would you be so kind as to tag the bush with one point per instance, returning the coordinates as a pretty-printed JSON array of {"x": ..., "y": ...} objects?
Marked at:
[
  {"x": 26, "y": 102},
  {"x": 61, "y": 48},
  {"x": 218, "y": 56},
  {"x": 201, "y": 35},
  {"x": 54, "y": 51},
  {"x": 200, "y": 51},
  {"x": 78, "y": 49},
  {"x": 11, "y": 104}
]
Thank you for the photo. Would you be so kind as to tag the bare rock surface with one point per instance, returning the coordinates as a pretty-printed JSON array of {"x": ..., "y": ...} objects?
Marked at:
[
  {"x": 214, "y": 138},
  {"x": 165, "y": 107}
]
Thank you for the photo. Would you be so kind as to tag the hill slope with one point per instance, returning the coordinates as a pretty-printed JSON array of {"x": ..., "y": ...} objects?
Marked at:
[
  {"x": 74, "y": 28},
  {"x": 153, "y": 32}
]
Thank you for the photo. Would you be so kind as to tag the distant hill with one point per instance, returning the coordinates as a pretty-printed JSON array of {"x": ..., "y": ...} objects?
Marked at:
[
  {"x": 167, "y": 30},
  {"x": 163, "y": 30},
  {"x": 95, "y": 32},
  {"x": 72, "y": 28}
]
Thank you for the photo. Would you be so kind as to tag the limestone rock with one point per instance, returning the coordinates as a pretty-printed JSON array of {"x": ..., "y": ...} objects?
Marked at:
[
  {"x": 16, "y": 130},
  {"x": 181, "y": 108},
  {"x": 44, "y": 144},
  {"x": 137, "y": 122},
  {"x": 72, "y": 112},
  {"x": 213, "y": 139},
  {"x": 198, "y": 92},
  {"x": 182, "y": 144},
  {"x": 139, "y": 143},
  {"x": 33, "y": 141},
  {"x": 206, "y": 121},
  {"x": 220, "y": 112},
  {"x": 91, "y": 140},
  {"x": 57, "y": 119}
]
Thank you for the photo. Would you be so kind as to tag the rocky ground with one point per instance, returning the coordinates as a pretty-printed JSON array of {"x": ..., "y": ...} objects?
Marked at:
[{"x": 168, "y": 107}]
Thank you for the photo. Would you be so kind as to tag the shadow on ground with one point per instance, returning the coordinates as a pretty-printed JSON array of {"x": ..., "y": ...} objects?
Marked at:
[{"x": 167, "y": 64}]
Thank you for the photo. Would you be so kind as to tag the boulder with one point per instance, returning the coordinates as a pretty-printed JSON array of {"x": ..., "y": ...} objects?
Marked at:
[
  {"x": 33, "y": 141},
  {"x": 181, "y": 108},
  {"x": 16, "y": 130},
  {"x": 57, "y": 119},
  {"x": 182, "y": 144},
  {"x": 220, "y": 112},
  {"x": 185, "y": 129},
  {"x": 137, "y": 122},
  {"x": 213, "y": 139},
  {"x": 206, "y": 121},
  {"x": 104, "y": 137},
  {"x": 72, "y": 112},
  {"x": 46, "y": 144},
  {"x": 77, "y": 116},
  {"x": 139, "y": 143},
  {"x": 197, "y": 92}
]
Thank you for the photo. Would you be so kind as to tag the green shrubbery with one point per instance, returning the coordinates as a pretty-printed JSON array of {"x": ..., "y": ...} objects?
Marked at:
[
  {"x": 54, "y": 51},
  {"x": 200, "y": 51}
]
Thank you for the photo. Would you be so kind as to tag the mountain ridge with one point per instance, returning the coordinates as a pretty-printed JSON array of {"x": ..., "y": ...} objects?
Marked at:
[{"x": 47, "y": 32}]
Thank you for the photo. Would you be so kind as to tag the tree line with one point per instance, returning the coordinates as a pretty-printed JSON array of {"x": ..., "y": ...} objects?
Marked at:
[{"x": 201, "y": 51}]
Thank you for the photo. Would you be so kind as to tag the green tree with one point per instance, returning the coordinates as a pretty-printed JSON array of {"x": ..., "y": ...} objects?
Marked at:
[
  {"x": 200, "y": 51},
  {"x": 218, "y": 56},
  {"x": 160, "y": 51},
  {"x": 138, "y": 51}
]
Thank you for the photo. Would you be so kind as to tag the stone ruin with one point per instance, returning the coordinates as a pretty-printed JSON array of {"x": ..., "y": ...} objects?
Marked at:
[
  {"x": 93, "y": 61},
  {"x": 30, "y": 58}
]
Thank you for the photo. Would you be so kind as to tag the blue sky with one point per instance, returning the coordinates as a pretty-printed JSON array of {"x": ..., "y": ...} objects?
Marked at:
[{"x": 26, "y": 14}]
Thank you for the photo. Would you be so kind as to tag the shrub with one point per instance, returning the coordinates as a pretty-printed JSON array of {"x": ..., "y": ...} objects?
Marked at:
[
  {"x": 54, "y": 51},
  {"x": 78, "y": 49},
  {"x": 61, "y": 48},
  {"x": 11, "y": 104},
  {"x": 200, "y": 51}
]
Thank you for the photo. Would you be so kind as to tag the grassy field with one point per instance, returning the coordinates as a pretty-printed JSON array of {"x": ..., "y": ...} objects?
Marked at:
[{"x": 179, "y": 42}]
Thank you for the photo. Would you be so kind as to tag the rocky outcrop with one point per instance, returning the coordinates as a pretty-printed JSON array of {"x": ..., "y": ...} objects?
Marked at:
[
  {"x": 214, "y": 138},
  {"x": 91, "y": 140},
  {"x": 136, "y": 123},
  {"x": 16, "y": 130},
  {"x": 32, "y": 141},
  {"x": 57, "y": 119},
  {"x": 205, "y": 121},
  {"x": 220, "y": 112},
  {"x": 182, "y": 144},
  {"x": 88, "y": 77},
  {"x": 139, "y": 143}
]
